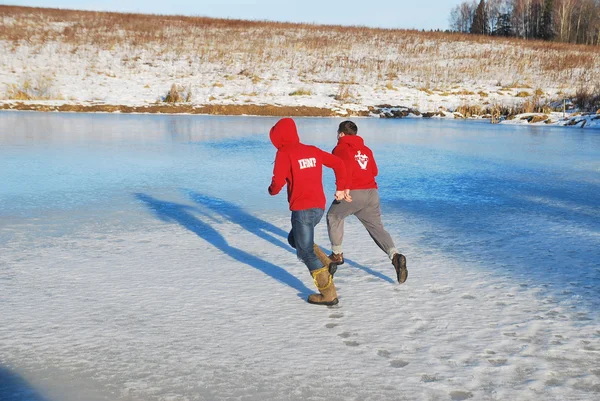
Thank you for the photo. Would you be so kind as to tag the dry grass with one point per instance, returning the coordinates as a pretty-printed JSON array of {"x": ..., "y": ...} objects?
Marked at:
[
  {"x": 471, "y": 110},
  {"x": 345, "y": 93},
  {"x": 322, "y": 48},
  {"x": 533, "y": 104},
  {"x": 39, "y": 88},
  {"x": 464, "y": 93},
  {"x": 301, "y": 92},
  {"x": 588, "y": 98},
  {"x": 231, "y": 110},
  {"x": 178, "y": 94},
  {"x": 249, "y": 51}
]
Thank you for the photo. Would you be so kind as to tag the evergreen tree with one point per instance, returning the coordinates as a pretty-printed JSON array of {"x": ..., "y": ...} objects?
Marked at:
[
  {"x": 547, "y": 27},
  {"x": 480, "y": 23},
  {"x": 504, "y": 26}
]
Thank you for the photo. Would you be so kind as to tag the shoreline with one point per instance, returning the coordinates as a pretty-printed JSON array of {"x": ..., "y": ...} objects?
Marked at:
[
  {"x": 570, "y": 119},
  {"x": 232, "y": 109}
]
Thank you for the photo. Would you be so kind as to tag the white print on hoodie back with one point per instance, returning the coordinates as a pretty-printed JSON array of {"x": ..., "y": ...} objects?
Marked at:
[
  {"x": 306, "y": 163},
  {"x": 362, "y": 160}
]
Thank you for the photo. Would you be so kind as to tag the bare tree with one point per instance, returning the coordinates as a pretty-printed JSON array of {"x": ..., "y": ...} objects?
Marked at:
[
  {"x": 527, "y": 18},
  {"x": 580, "y": 21},
  {"x": 494, "y": 10},
  {"x": 563, "y": 16},
  {"x": 589, "y": 16},
  {"x": 461, "y": 16},
  {"x": 576, "y": 21},
  {"x": 520, "y": 17}
]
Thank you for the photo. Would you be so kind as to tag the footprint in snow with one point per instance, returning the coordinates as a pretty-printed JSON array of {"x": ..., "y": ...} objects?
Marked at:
[
  {"x": 429, "y": 378},
  {"x": 351, "y": 343},
  {"x": 345, "y": 334},
  {"x": 384, "y": 353},
  {"x": 442, "y": 289},
  {"x": 331, "y": 325},
  {"x": 336, "y": 315},
  {"x": 581, "y": 317},
  {"x": 398, "y": 363},
  {"x": 497, "y": 361},
  {"x": 460, "y": 395}
]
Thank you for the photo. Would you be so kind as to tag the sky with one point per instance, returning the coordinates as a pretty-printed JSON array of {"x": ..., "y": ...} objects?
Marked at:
[{"x": 431, "y": 14}]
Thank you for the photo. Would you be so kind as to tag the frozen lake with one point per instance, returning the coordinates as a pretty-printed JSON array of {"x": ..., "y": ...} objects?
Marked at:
[{"x": 141, "y": 258}]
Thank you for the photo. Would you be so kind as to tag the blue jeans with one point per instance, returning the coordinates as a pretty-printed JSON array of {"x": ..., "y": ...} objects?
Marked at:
[{"x": 302, "y": 236}]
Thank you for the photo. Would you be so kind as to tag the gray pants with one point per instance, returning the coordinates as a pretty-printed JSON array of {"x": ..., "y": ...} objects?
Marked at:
[{"x": 365, "y": 206}]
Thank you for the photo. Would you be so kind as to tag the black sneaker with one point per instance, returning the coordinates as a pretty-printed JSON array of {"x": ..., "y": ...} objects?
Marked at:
[
  {"x": 337, "y": 258},
  {"x": 399, "y": 262}
]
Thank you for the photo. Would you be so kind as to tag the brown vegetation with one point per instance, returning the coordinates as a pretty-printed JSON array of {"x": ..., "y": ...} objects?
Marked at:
[
  {"x": 178, "y": 94},
  {"x": 253, "y": 50},
  {"x": 230, "y": 110},
  {"x": 39, "y": 88},
  {"x": 588, "y": 98},
  {"x": 430, "y": 57}
]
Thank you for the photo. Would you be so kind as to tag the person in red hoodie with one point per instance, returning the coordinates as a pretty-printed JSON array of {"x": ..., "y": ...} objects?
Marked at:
[
  {"x": 361, "y": 171},
  {"x": 300, "y": 167}
]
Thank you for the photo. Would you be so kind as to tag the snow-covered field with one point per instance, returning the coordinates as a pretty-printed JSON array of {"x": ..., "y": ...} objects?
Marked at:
[
  {"x": 133, "y": 60},
  {"x": 142, "y": 259},
  {"x": 95, "y": 76}
]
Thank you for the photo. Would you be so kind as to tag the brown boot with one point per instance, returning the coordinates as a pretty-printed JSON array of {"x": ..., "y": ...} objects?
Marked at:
[
  {"x": 324, "y": 282},
  {"x": 323, "y": 258}
]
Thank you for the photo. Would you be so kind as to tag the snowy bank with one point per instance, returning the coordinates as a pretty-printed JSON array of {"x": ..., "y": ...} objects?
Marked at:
[{"x": 63, "y": 60}]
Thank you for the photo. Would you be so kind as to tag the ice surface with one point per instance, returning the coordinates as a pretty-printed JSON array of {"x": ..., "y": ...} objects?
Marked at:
[{"x": 141, "y": 258}]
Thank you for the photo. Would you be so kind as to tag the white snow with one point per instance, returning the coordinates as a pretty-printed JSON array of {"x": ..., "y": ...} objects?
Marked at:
[
  {"x": 156, "y": 313},
  {"x": 351, "y": 72}
]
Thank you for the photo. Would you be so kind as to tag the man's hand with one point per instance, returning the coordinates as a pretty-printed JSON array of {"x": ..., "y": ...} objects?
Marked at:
[
  {"x": 343, "y": 195},
  {"x": 347, "y": 196}
]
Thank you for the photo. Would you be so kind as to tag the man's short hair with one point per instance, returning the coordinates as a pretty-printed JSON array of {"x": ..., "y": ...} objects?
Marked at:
[{"x": 348, "y": 128}]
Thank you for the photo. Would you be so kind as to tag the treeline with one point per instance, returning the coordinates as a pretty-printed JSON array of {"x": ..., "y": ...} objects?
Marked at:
[{"x": 568, "y": 21}]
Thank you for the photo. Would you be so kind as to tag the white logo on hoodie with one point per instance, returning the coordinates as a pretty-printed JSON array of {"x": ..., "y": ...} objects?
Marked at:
[
  {"x": 362, "y": 160},
  {"x": 307, "y": 163}
]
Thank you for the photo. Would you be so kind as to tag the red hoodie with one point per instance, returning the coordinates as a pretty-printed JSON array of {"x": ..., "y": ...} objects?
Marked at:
[
  {"x": 300, "y": 166},
  {"x": 361, "y": 168}
]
